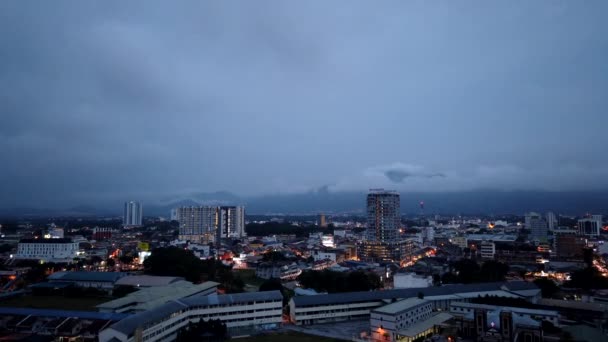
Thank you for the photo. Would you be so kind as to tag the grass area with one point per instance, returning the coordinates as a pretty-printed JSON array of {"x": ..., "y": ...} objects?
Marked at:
[
  {"x": 54, "y": 302},
  {"x": 286, "y": 336}
]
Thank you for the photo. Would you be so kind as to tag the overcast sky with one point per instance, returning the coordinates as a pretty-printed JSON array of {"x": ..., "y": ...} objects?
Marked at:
[{"x": 128, "y": 98}]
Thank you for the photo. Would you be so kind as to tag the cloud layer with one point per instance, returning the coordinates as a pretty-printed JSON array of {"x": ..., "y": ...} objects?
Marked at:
[{"x": 131, "y": 99}]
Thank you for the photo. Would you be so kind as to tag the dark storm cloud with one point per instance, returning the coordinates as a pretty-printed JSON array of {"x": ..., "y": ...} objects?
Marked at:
[
  {"x": 120, "y": 99},
  {"x": 398, "y": 176}
]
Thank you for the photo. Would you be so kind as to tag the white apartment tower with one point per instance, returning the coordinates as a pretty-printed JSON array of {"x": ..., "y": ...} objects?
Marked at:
[
  {"x": 133, "y": 214},
  {"x": 590, "y": 226},
  {"x": 210, "y": 224}
]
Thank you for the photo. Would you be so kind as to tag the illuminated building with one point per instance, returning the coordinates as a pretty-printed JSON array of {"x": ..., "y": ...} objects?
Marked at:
[
  {"x": 322, "y": 221},
  {"x": 47, "y": 250},
  {"x": 382, "y": 238},
  {"x": 388, "y": 320},
  {"x": 210, "y": 224}
]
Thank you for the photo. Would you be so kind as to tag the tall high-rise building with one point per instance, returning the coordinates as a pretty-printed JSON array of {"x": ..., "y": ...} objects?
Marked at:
[
  {"x": 590, "y": 226},
  {"x": 197, "y": 224},
  {"x": 383, "y": 215},
  {"x": 322, "y": 221},
  {"x": 551, "y": 221},
  {"x": 211, "y": 224},
  {"x": 133, "y": 214},
  {"x": 382, "y": 239},
  {"x": 537, "y": 226},
  {"x": 231, "y": 222}
]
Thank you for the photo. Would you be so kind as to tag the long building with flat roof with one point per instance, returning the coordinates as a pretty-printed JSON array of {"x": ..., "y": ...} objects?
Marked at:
[
  {"x": 248, "y": 310},
  {"x": 357, "y": 305}
]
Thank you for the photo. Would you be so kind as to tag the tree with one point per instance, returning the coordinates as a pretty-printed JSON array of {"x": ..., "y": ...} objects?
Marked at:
[
  {"x": 176, "y": 262},
  {"x": 126, "y": 259},
  {"x": 436, "y": 280},
  {"x": 547, "y": 287},
  {"x": 271, "y": 285},
  {"x": 588, "y": 278},
  {"x": 110, "y": 262},
  {"x": 492, "y": 270},
  {"x": 332, "y": 282},
  {"x": 213, "y": 330}
]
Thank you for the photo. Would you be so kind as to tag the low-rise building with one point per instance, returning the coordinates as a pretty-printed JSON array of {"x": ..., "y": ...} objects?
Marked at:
[
  {"x": 47, "y": 250},
  {"x": 104, "y": 281},
  {"x": 307, "y": 310},
  {"x": 499, "y": 323},
  {"x": 155, "y": 295},
  {"x": 487, "y": 249},
  {"x": 240, "y": 311},
  {"x": 387, "y": 320},
  {"x": 411, "y": 280}
]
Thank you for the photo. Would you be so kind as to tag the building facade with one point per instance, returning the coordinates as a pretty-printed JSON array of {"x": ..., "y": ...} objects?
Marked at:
[
  {"x": 487, "y": 249},
  {"x": 47, "y": 250},
  {"x": 247, "y": 311},
  {"x": 537, "y": 226},
  {"x": 387, "y": 321},
  {"x": 382, "y": 238},
  {"x": 335, "y": 307},
  {"x": 210, "y": 224},
  {"x": 132, "y": 214},
  {"x": 590, "y": 226},
  {"x": 383, "y": 215}
]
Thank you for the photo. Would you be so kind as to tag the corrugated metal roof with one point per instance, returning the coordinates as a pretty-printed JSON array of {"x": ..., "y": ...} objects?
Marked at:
[
  {"x": 61, "y": 313},
  {"x": 354, "y": 297},
  {"x": 128, "y": 325},
  {"x": 88, "y": 276}
]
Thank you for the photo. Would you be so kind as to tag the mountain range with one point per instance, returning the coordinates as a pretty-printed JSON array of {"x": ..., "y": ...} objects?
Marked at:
[{"x": 324, "y": 201}]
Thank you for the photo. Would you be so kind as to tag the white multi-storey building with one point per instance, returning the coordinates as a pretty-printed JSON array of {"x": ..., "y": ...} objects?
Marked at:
[
  {"x": 133, "y": 214},
  {"x": 307, "y": 310},
  {"x": 386, "y": 321},
  {"x": 590, "y": 226},
  {"x": 47, "y": 250},
  {"x": 238, "y": 311},
  {"x": 460, "y": 241},
  {"x": 551, "y": 221},
  {"x": 210, "y": 224},
  {"x": 487, "y": 249}
]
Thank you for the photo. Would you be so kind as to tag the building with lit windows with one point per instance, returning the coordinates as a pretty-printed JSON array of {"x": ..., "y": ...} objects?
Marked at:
[
  {"x": 386, "y": 321},
  {"x": 382, "y": 239},
  {"x": 210, "y": 224},
  {"x": 47, "y": 250}
]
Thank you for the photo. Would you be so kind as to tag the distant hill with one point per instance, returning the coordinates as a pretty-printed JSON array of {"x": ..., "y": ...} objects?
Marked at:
[{"x": 471, "y": 202}]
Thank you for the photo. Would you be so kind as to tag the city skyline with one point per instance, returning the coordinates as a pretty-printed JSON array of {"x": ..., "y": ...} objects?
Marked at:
[{"x": 413, "y": 97}]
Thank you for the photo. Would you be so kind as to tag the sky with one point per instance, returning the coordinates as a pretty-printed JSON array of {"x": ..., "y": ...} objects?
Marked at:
[{"x": 115, "y": 99}]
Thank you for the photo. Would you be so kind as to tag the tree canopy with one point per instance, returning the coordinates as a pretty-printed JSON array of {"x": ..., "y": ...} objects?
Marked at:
[
  {"x": 332, "y": 282},
  {"x": 468, "y": 271},
  {"x": 176, "y": 262}
]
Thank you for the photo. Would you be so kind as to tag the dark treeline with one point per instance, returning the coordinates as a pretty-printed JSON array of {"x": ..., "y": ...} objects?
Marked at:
[
  {"x": 468, "y": 271},
  {"x": 177, "y": 262},
  {"x": 212, "y": 330},
  {"x": 279, "y": 228},
  {"x": 332, "y": 282}
]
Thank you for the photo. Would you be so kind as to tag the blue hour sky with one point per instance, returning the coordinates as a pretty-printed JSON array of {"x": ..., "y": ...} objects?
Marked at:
[{"x": 109, "y": 99}]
